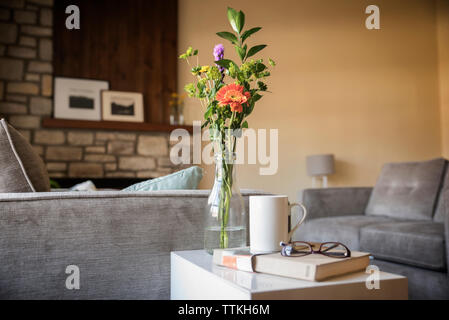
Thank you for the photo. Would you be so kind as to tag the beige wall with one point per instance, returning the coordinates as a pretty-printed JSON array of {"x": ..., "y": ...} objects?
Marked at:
[
  {"x": 443, "y": 70},
  {"x": 367, "y": 96}
]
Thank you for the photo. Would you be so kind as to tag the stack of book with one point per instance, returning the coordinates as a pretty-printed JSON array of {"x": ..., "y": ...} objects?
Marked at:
[{"x": 312, "y": 267}]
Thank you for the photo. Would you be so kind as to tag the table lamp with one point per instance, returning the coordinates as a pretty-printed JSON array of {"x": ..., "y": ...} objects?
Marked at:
[{"x": 320, "y": 166}]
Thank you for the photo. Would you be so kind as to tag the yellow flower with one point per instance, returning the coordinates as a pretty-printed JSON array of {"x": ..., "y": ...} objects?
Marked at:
[{"x": 204, "y": 69}]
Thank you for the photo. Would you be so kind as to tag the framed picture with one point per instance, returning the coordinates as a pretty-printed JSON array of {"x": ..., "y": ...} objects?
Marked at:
[
  {"x": 122, "y": 106},
  {"x": 78, "y": 98}
]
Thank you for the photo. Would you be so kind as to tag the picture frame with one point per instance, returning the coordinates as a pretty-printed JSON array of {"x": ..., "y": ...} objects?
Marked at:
[
  {"x": 122, "y": 106},
  {"x": 77, "y": 98}
]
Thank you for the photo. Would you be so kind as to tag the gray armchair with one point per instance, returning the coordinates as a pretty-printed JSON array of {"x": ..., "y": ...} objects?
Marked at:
[{"x": 403, "y": 222}]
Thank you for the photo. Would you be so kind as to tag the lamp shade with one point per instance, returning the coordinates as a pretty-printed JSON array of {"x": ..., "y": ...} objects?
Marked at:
[{"x": 320, "y": 165}]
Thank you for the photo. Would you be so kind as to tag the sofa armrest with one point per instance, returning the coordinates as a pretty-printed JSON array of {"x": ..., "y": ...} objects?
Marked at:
[
  {"x": 121, "y": 241},
  {"x": 330, "y": 202}
]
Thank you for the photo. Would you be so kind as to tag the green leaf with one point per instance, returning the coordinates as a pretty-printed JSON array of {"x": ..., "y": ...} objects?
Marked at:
[
  {"x": 260, "y": 67},
  {"x": 208, "y": 112},
  {"x": 241, "y": 52},
  {"x": 241, "y": 77},
  {"x": 54, "y": 184},
  {"x": 262, "y": 86},
  {"x": 249, "y": 32},
  {"x": 205, "y": 123},
  {"x": 212, "y": 93},
  {"x": 256, "y": 98},
  {"x": 255, "y": 49},
  {"x": 225, "y": 63},
  {"x": 240, "y": 21},
  {"x": 228, "y": 36},
  {"x": 195, "y": 52},
  {"x": 245, "y": 124},
  {"x": 232, "y": 17},
  {"x": 251, "y": 108}
]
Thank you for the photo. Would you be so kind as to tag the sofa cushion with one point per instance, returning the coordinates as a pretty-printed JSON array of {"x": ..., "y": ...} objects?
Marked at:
[
  {"x": 415, "y": 243},
  {"x": 22, "y": 170},
  {"x": 344, "y": 229},
  {"x": 439, "y": 213},
  {"x": 407, "y": 190}
]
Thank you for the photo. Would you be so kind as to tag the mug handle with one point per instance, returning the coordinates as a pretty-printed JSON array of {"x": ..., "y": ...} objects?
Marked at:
[{"x": 304, "y": 215}]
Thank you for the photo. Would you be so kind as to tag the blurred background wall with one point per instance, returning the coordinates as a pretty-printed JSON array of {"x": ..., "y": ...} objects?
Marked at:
[{"x": 367, "y": 96}]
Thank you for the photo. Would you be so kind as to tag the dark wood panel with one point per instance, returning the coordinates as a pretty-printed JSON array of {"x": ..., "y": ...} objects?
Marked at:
[
  {"x": 111, "y": 125},
  {"x": 132, "y": 44}
]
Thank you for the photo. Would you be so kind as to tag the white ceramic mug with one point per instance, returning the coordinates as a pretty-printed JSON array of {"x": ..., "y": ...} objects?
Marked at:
[{"x": 268, "y": 222}]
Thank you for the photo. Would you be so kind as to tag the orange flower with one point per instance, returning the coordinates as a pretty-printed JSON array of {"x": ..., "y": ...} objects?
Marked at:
[{"x": 233, "y": 95}]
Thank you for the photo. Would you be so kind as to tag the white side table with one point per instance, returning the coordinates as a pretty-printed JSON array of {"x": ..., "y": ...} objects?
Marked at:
[{"x": 195, "y": 277}]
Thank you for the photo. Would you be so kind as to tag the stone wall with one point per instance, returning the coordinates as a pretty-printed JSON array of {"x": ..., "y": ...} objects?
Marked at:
[{"x": 26, "y": 78}]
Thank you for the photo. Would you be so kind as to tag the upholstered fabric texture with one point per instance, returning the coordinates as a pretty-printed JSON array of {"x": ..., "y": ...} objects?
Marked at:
[
  {"x": 21, "y": 170},
  {"x": 415, "y": 243},
  {"x": 439, "y": 212},
  {"x": 187, "y": 179},
  {"x": 418, "y": 250},
  {"x": 407, "y": 190},
  {"x": 422, "y": 283},
  {"x": 344, "y": 229},
  {"x": 329, "y": 202},
  {"x": 121, "y": 241},
  {"x": 415, "y": 249}
]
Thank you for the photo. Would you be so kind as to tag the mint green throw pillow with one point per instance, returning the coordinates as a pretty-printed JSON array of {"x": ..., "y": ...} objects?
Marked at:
[{"x": 186, "y": 179}]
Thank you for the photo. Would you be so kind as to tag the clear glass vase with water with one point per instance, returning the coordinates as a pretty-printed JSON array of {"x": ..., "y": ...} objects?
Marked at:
[{"x": 225, "y": 220}]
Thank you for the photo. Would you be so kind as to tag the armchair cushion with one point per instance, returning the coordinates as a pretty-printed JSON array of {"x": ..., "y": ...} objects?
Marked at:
[
  {"x": 407, "y": 190},
  {"x": 439, "y": 213},
  {"x": 345, "y": 229},
  {"x": 415, "y": 243}
]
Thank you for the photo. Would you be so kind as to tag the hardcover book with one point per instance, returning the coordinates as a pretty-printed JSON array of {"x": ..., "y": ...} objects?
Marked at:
[{"x": 312, "y": 267}]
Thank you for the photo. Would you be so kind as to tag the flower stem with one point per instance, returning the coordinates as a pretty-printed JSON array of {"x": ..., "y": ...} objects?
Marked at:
[{"x": 225, "y": 201}]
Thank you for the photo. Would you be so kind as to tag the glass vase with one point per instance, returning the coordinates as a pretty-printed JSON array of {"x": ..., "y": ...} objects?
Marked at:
[
  {"x": 225, "y": 221},
  {"x": 177, "y": 115}
]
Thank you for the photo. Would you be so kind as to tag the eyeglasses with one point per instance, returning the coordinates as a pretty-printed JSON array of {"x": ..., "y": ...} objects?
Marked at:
[{"x": 302, "y": 248}]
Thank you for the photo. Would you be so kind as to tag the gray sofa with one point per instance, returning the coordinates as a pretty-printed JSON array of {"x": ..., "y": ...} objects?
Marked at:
[
  {"x": 121, "y": 241},
  {"x": 403, "y": 222}
]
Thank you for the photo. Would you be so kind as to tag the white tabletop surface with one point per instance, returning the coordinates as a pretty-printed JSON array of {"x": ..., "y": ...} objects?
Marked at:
[{"x": 258, "y": 282}]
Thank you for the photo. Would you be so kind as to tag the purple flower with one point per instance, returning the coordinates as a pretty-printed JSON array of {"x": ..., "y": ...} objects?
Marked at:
[
  {"x": 218, "y": 55},
  {"x": 218, "y": 52}
]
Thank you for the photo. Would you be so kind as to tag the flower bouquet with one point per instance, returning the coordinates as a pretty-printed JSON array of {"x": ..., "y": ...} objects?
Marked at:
[{"x": 228, "y": 92}]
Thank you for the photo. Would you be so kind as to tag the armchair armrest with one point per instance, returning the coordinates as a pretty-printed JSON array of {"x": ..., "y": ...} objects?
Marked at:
[{"x": 330, "y": 202}]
